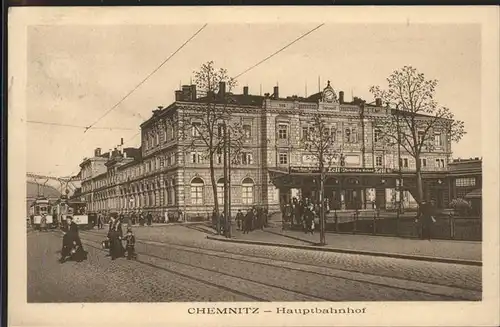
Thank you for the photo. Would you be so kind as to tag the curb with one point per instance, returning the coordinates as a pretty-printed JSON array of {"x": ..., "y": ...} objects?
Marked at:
[{"x": 369, "y": 253}]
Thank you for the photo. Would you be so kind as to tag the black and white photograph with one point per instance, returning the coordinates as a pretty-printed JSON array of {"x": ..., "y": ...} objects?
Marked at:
[{"x": 320, "y": 164}]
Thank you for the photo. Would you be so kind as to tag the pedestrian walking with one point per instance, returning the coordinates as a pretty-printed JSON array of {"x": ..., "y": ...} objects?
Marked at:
[
  {"x": 43, "y": 222},
  {"x": 149, "y": 218},
  {"x": 130, "y": 247},
  {"x": 247, "y": 223},
  {"x": 239, "y": 219},
  {"x": 115, "y": 235},
  {"x": 100, "y": 221},
  {"x": 72, "y": 248},
  {"x": 425, "y": 219},
  {"x": 134, "y": 218}
]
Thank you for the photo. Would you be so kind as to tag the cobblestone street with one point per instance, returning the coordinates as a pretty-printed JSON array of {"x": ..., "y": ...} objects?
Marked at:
[{"x": 178, "y": 263}]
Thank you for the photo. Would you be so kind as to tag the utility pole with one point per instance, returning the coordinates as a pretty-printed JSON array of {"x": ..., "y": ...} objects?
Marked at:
[
  {"x": 322, "y": 239},
  {"x": 400, "y": 184},
  {"x": 229, "y": 183},
  {"x": 226, "y": 193}
]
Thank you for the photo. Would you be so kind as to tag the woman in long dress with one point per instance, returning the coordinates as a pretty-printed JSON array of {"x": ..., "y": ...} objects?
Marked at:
[
  {"x": 115, "y": 235},
  {"x": 72, "y": 248}
]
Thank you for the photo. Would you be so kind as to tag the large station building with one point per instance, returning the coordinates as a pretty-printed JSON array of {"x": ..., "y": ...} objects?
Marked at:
[{"x": 167, "y": 175}]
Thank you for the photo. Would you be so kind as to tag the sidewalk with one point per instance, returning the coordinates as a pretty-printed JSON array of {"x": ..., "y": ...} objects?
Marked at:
[{"x": 459, "y": 252}]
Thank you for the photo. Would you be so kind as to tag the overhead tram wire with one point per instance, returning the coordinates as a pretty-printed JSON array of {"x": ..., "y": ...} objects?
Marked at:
[
  {"x": 244, "y": 72},
  {"x": 275, "y": 53},
  {"x": 78, "y": 126},
  {"x": 145, "y": 79},
  {"x": 142, "y": 82}
]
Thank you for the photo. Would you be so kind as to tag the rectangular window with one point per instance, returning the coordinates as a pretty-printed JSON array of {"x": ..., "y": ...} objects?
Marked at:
[
  {"x": 247, "y": 131},
  {"x": 246, "y": 158},
  {"x": 423, "y": 162},
  {"x": 195, "y": 157},
  {"x": 220, "y": 130},
  {"x": 220, "y": 193},
  {"x": 405, "y": 162},
  {"x": 440, "y": 163},
  {"x": 377, "y": 135},
  {"x": 305, "y": 133},
  {"x": 465, "y": 181},
  {"x": 247, "y": 194},
  {"x": 197, "y": 194},
  {"x": 196, "y": 130},
  {"x": 378, "y": 161},
  {"x": 283, "y": 132},
  {"x": 437, "y": 139},
  {"x": 420, "y": 137},
  {"x": 283, "y": 158}
]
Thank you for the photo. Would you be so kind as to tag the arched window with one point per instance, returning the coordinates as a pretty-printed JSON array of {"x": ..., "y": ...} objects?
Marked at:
[
  {"x": 220, "y": 191},
  {"x": 247, "y": 191},
  {"x": 197, "y": 186}
]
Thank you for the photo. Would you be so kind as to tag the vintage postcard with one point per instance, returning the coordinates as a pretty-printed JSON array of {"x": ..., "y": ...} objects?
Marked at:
[{"x": 253, "y": 166}]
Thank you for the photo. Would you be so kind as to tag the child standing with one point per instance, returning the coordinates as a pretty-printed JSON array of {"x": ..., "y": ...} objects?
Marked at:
[{"x": 130, "y": 247}]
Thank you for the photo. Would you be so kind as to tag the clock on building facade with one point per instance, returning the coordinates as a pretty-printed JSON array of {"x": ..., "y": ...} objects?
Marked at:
[{"x": 329, "y": 94}]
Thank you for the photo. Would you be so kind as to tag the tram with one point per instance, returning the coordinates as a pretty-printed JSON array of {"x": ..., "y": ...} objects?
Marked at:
[
  {"x": 42, "y": 207},
  {"x": 74, "y": 208}
]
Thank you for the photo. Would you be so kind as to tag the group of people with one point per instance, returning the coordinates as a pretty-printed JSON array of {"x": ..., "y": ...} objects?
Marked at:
[
  {"x": 301, "y": 213},
  {"x": 72, "y": 247},
  {"x": 140, "y": 217},
  {"x": 255, "y": 218}
]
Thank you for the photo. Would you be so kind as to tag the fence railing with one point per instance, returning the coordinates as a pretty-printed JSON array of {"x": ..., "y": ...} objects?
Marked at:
[{"x": 447, "y": 227}]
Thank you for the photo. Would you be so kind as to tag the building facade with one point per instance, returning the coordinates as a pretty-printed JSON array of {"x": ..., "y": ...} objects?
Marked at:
[{"x": 170, "y": 171}]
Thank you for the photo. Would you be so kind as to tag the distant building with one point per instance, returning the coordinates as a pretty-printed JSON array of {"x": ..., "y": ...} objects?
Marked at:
[{"x": 166, "y": 175}]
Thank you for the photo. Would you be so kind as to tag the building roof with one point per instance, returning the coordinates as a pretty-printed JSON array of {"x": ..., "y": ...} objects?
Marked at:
[{"x": 234, "y": 99}]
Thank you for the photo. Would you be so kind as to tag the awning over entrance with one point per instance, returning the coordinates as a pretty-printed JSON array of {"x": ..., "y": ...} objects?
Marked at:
[{"x": 475, "y": 194}]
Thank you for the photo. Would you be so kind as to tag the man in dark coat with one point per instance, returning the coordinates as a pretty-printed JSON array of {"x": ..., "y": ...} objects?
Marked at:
[
  {"x": 239, "y": 219},
  {"x": 426, "y": 218},
  {"x": 149, "y": 218},
  {"x": 72, "y": 247},
  {"x": 247, "y": 223},
  {"x": 115, "y": 235}
]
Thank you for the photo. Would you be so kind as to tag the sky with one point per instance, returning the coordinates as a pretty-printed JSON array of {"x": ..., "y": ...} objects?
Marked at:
[{"x": 76, "y": 73}]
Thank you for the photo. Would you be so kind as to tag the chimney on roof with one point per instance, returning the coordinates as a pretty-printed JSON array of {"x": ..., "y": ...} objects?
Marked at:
[
  {"x": 341, "y": 97},
  {"x": 193, "y": 91},
  {"x": 110, "y": 153},
  {"x": 222, "y": 89},
  {"x": 276, "y": 93},
  {"x": 178, "y": 95},
  {"x": 186, "y": 92},
  {"x": 477, "y": 158},
  {"x": 245, "y": 90},
  {"x": 97, "y": 152},
  {"x": 378, "y": 102},
  {"x": 266, "y": 95},
  {"x": 124, "y": 154},
  {"x": 121, "y": 141}
]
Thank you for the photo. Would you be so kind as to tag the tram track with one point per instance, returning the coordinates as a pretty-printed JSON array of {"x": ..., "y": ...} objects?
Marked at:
[
  {"x": 458, "y": 293},
  {"x": 274, "y": 288}
]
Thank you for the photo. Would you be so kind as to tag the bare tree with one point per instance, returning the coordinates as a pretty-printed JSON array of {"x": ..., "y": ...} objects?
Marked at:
[
  {"x": 319, "y": 143},
  {"x": 417, "y": 117},
  {"x": 204, "y": 126}
]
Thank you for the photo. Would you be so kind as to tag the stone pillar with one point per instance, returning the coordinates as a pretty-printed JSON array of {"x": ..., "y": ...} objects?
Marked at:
[{"x": 363, "y": 198}]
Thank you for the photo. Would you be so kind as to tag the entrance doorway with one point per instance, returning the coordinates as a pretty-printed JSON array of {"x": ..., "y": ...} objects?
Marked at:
[{"x": 351, "y": 198}]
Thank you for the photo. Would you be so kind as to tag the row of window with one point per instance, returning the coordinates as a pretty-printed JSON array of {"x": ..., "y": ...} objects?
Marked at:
[
  {"x": 198, "y": 189},
  {"x": 197, "y": 130},
  {"x": 245, "y": 158},
  {"x": 350, "y": 134},
  {"x": 153, "y": 139}
]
